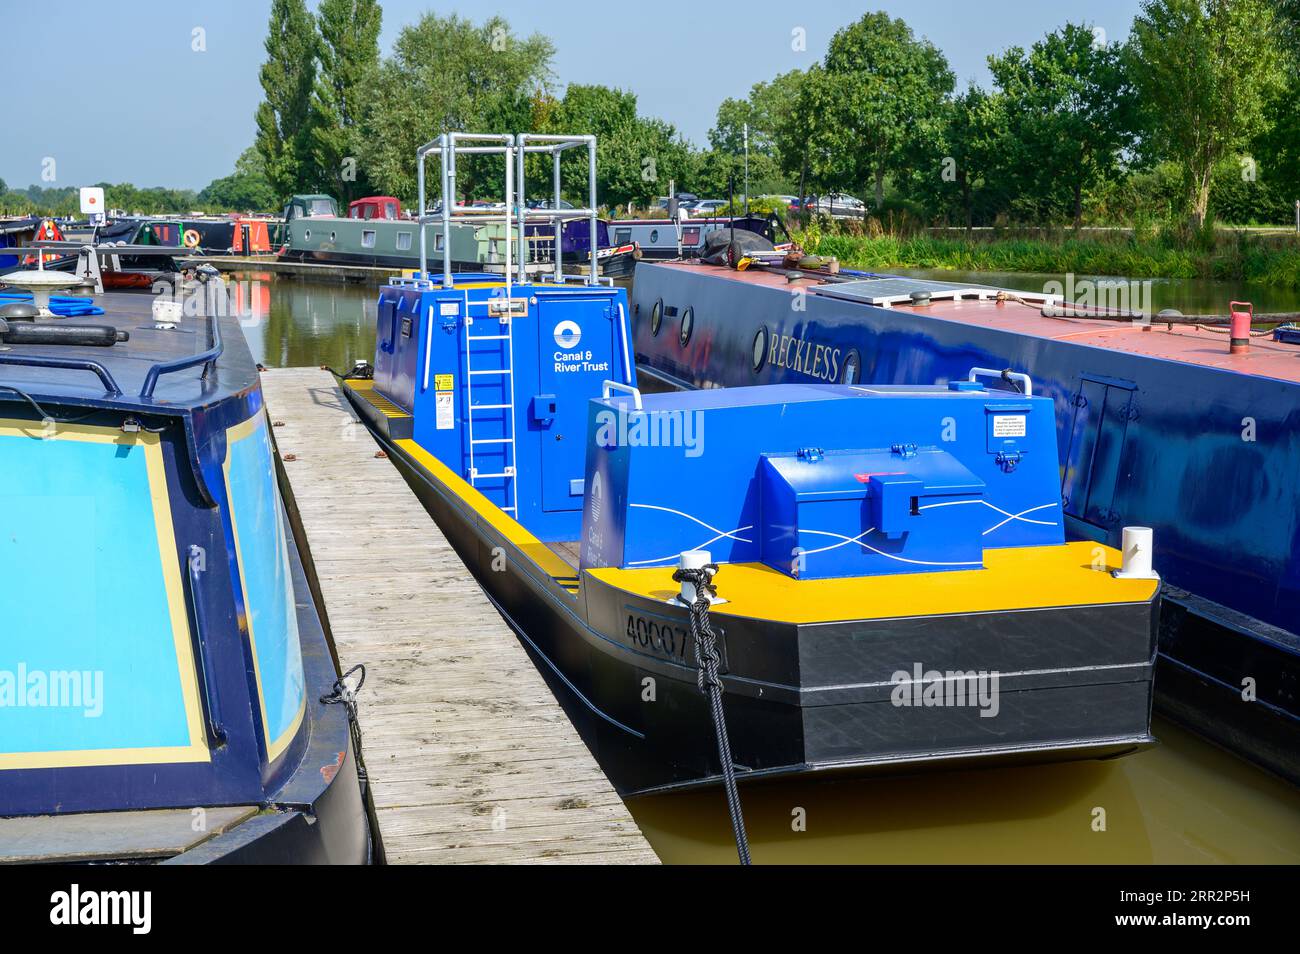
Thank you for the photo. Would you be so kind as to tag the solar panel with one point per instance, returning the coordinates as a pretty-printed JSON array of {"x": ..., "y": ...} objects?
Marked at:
[{"x": 894, "y": 291}]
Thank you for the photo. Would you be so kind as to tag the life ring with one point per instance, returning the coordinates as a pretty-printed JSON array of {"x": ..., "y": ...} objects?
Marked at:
[{"x": 191, "y": 238}]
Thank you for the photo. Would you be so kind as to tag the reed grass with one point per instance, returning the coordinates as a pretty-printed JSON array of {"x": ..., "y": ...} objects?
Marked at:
[{"x": 1230, "y": 257}]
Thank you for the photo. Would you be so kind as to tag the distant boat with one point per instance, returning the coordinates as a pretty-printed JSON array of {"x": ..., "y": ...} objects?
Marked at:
[
  {"x": 375, "y": 233},
  {"x": 658, "y": 238}
]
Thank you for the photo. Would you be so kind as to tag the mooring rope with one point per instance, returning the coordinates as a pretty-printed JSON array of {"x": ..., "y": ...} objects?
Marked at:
[
  {"x": 706, "y": 652},
  {"x": 346, "y": 695}
]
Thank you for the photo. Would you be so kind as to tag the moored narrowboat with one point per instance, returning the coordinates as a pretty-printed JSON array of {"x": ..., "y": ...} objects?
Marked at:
[
  {"x": 1163, "y": 423},
  {"x": 893, "y": 585},
  {"x": 165, "y": 680}
]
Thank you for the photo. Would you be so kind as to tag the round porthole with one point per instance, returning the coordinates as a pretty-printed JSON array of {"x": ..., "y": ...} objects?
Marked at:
[
  {"x": 657, "y": 317},
  {"x": 654, "y": 236},
  {"x": 688, "y": 325},
  {"x": 851, "y": 370},
  {"x": 307, "y": 235},
  {"x": 760, "y": 349}
]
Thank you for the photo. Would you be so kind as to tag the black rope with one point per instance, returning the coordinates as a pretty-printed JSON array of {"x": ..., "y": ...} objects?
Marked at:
[
  {"x": 340, "y": 692},
  {"x": 706, "y": 653}
]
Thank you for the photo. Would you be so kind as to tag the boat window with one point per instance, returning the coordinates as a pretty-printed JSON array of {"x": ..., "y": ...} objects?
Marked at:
[
  {"x": 106, "y": 678},
  {"x": 390, "y": 210},
  {"x": 307, "y": 234},
  {"x": 367, "y": 238},
  {"x": 333, "y": 236},
  {"x": 654, "y": 235},
  {"x": 688, "y": 325},
  {"x": 760, "y": 349},
  {"x": 321, "y": 207},
  {"x": 656, "y": 317},
  {"x": 852, "y": 370},
  {"x": 403, "y": 241},
  {"x": 266, "y": 581},
  {"x": 622, "y": 236}
]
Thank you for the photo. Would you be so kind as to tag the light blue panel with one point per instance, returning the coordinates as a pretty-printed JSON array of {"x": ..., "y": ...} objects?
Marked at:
[
  {"x": 264, "y": 551},
  {"x": 82, "y": 601}
]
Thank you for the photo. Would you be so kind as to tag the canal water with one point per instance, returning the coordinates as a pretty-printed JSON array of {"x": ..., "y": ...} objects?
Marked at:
[{"x": 1182, "y": 801}]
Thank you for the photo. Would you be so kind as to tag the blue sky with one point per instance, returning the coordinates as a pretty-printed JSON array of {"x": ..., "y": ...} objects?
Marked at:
[{"x": 115, "y": 92}]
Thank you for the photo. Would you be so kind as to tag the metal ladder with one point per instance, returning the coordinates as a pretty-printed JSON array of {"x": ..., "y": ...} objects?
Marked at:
[{"x": 507, "y": 443}]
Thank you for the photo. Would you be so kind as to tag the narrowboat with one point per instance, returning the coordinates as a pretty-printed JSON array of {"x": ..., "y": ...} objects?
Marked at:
[
  {"x": 18, "y": 233},
  {"x": 665, "y": 239},
  {"x": 893, "y": 587},
  {"x": 165, "y": 679},
  {"x": 1191, "y": 431},
  {"x": 376, "y": 233}
]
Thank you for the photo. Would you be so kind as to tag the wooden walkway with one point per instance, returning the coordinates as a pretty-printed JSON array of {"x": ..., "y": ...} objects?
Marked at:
[{"x": 471, "y": 758}]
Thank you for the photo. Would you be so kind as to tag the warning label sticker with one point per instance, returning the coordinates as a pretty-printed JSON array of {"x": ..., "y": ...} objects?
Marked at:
[
  {"x": 1009, "y": 425},
  {"x": 444, "y": 382},
  {"x": 444, "y": 419}
]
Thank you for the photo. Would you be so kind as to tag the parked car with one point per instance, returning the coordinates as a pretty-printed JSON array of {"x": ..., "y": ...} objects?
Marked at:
[
  {"x": 839, "y": 203},
  {"x": 707, "y": 207}
]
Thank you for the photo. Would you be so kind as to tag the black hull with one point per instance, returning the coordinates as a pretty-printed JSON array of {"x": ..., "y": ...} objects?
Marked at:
[
  {"x": 320, "y": 816},
  {"x": 776, "y": 728}
]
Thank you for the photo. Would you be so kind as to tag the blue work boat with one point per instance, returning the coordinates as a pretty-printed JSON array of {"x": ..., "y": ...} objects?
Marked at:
[
  {"x": 876, "y": 579},
  {"x": 166, "y": 685},
  {"x": 1190, "y": 429}
]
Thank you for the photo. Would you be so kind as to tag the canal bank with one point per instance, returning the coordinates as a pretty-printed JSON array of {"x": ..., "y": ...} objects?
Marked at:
[{"x": 1182, "y": 801}]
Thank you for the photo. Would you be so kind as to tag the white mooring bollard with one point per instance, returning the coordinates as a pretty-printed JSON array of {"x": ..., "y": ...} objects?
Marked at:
[{"x": 1136, "y": 547}]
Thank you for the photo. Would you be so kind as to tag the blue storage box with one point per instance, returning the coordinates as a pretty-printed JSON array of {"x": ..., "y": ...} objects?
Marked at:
[{"x": 869, "y": 512}]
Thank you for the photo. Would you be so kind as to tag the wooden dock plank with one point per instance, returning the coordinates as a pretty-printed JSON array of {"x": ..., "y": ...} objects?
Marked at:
[{"x": 471, "y": 759}]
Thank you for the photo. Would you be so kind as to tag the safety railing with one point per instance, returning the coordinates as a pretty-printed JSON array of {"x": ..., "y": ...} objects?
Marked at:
[
  {"x": 447, "y": 147},
  {"x": 516, "y": 216},
  {"x": 555, "y": 146}
]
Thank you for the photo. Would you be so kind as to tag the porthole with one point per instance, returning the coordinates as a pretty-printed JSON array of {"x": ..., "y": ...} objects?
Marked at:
[
  {"x": 307, "y": 234},
  {"x": 688, "y": 325},
  {"x": 760, "y": 349},
  {"x": 654, "y": 236},
  {"x": 657, "y": 317},
  {"x": 851, "y": 370}
]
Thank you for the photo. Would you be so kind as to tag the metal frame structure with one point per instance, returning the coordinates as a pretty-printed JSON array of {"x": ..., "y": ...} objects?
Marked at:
[
  {"x": 448, "y": 147},
  {"x": 555, "y": 146},
  {"x": 515, "y": 150}
]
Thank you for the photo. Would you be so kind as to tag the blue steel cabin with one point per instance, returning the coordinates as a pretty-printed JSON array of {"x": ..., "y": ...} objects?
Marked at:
[
  {"x": 507, "y": 411},
  {"x": 822, "y": 481}
]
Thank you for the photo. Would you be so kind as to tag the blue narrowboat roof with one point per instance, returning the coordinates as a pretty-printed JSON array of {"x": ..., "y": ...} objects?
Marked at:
[{"x": 156, "y": 370}]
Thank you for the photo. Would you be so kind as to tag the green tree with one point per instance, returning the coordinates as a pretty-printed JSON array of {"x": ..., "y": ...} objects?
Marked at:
[
  {"x": 887, "y": 89},
  {"x": 1070, "y": 110},
  {"x": 245, "y": 189},
  {"x": 1206, "y": 71},
  {"x": 284, "y": 135},
  {"x": 447, "y": 74},
  {"x": 963, "y": 170},
  {"x": 349, "y": 60}
]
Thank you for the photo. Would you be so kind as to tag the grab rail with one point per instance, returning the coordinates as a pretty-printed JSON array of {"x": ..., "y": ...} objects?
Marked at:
[
  {"x": 609, "y": 386},
  {"x": 1007, "y": 375},
  {"x": 180, "y": 364},
  {"x": 65, "y": 364}
]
